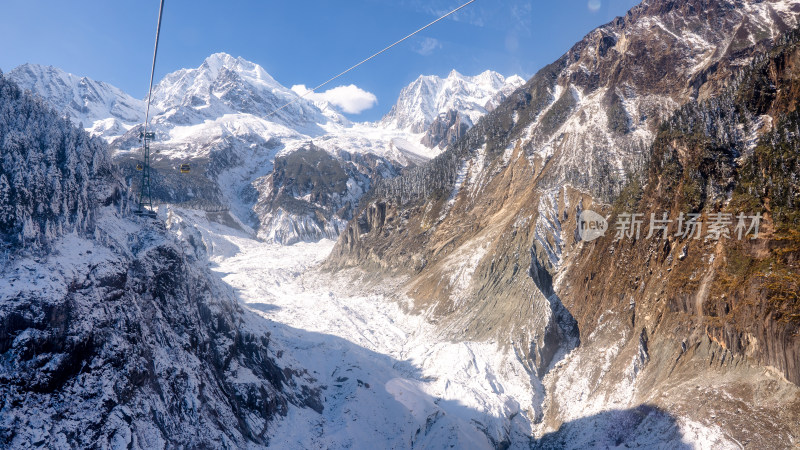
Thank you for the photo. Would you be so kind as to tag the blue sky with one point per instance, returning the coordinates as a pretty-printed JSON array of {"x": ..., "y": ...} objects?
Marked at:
[{"x": 298, "y": 41}]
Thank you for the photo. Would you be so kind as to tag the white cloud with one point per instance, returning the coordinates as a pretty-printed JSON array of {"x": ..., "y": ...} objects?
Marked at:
[
  {"x": 350, "y": 99},
  {"x": 522, "y": 12},
  {"x": 426, "y": 46},
  {"x": 594, "y": 5},
  {"x": 437, "y": 8}
]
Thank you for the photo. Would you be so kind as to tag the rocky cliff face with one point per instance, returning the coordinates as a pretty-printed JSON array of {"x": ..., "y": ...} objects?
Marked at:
[
  {"x": 446, "y": 129},
  {"x": 678, "y": 305},
  {"x": 311, "y": 194},
  {"x": 488, "y": 230},
  {"x": 110, "y": 334}
]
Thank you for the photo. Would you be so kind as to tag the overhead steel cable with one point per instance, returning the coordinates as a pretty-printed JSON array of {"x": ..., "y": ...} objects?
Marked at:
[
  {"x": 153, "y": 69},
  {"x": 371, "y": 57}
]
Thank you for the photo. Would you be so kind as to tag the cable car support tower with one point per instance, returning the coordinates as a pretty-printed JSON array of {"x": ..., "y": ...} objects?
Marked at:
[{"x": 145, "y": 194}]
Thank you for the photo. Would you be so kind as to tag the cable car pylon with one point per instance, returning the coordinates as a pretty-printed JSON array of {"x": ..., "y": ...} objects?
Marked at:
[{"x": 145, "y": 194}]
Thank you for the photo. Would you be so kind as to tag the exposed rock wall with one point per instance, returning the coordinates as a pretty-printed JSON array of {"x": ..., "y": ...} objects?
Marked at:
[
  {"x": 446, "y": 129},
  {"x": 311, "y": 194},
  {"x": 481, "y": 227}
]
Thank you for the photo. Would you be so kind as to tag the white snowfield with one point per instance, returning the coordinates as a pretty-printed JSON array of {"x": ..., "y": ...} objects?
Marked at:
[{"x": 389, "y": 380}]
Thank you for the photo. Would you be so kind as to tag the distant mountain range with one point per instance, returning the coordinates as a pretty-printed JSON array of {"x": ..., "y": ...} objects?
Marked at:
[
  {"x": 429, "y": 98},
  {"x": 221, "y": 118},
  {"x": 224, "y": 85}
]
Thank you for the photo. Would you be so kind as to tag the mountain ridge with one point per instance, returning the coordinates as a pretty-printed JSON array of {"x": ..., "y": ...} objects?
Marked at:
[
  {"x": 101, "y": 107},
  {"x": 487, "y": 231},
  {"x": 216, "y": 117}
]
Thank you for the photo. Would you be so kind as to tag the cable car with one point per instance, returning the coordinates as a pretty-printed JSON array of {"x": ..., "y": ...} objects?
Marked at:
[
  {"x": 139, "y": 167},
  {"x": 185, "y": 168}
]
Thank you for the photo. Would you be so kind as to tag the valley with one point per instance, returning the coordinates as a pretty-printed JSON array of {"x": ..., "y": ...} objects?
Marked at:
[
  {"x": 422, "y": 280},
  {"x": 388, "y": 377}
]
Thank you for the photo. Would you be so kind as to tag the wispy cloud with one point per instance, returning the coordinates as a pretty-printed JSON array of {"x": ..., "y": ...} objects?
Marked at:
[
  {"x": 497, "y": 14},
  {"x": 594, "y": 5},
  {"x": 350, "y": 99},
  {"x": 521, "y": 13},
  {"x": 427, "y": 46},
  {"x": 470, "y": 14}
]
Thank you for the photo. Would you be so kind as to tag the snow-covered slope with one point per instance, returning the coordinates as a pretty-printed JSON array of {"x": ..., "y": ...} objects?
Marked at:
[
  {"x": 227, "y": 85},
  {"x": 103, "y": 109}
]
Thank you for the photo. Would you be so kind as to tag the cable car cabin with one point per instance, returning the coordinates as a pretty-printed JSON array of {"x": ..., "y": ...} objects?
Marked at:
[
  {"x": 139, "y": 167},
  {"x": 185, "y": 168}
]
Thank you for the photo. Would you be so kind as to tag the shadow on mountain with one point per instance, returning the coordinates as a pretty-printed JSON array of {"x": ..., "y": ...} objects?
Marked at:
[
  {"x": 565, "y": 335},
  {"x": 263, "y": 307},
  {"x": 644, "y": 426}
]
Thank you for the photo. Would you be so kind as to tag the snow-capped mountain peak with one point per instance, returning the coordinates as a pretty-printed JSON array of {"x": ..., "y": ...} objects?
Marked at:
[
  {"x": 216, "y": 64},
  {"x": 224, "y": 84},
  {"x": 454, "y": 74},
  {"x": 429, "y": 96},
  {"x": 515, "y": 80}
]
